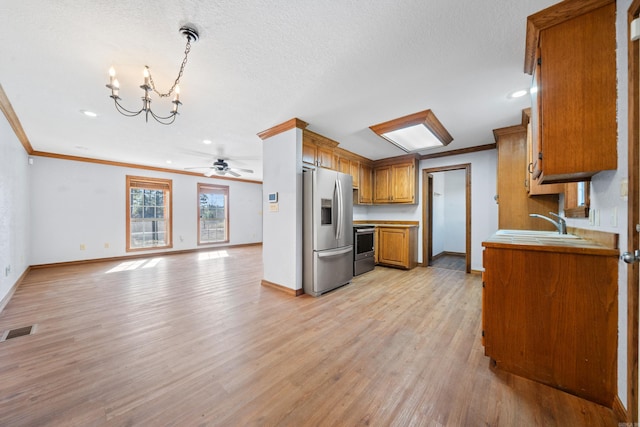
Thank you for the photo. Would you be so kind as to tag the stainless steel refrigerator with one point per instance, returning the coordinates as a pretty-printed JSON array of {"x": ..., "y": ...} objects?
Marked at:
[{"x": 327, "y": 230}]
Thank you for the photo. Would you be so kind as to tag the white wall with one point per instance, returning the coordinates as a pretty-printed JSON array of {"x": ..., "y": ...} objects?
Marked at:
[
  {"x": 455, "y": 211},
  {"x": 282, "y": 230},
  {"x": 605, "y": 193},
  {"x": 74, "y": 203},
  {"x": 14, "y": 208}
]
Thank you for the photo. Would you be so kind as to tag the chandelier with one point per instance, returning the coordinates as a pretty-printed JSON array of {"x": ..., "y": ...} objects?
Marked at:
[{"x": 191, "y": 34}]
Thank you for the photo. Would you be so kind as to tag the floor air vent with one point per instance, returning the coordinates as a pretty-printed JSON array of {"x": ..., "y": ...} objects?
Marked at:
[{"x": 18, "y": 332}]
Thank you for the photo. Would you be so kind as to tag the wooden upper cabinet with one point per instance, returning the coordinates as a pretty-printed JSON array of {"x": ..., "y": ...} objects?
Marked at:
[
  {"x": 309, "y": 154},
  {"x": 365, "y": 188},
  {"x": 344, "y": 165},
  {"x": 403, "y": 180},
  {"x": 382, "y": 185},
  {"x": 514, "y": 203},
  {"x": 354, "y": 170},
  {"x": 326, "y": 158},
  {"x": 534, "y": 187},
  {"x": 571, "y": 53},
  {"x": 395, "y": 182}
]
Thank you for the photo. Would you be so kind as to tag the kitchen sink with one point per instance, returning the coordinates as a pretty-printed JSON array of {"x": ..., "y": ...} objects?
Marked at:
[{"x": 528, "y": 234}]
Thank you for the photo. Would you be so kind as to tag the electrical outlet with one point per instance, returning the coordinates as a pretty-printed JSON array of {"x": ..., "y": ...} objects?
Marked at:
[
  {"x": 106, "y": 245},
  {"x": 7, "y": 270},
  {"x": 82, "y": 247},
  {"x": 624, "y": 188}
]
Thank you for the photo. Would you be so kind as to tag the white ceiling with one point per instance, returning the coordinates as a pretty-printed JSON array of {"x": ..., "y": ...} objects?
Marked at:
[{"x": 341, "y": 66}]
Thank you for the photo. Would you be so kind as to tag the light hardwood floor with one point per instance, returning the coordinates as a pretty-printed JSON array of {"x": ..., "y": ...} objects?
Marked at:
[{"x": 193, "y": 339}]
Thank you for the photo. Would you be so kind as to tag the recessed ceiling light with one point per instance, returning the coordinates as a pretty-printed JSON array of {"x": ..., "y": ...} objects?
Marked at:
[
  {"x": 206, "y": 141},
  {"x": 169, "y": 162},
  {"x": 518, "y": 93},
  {"x": 88, "y": 113}
]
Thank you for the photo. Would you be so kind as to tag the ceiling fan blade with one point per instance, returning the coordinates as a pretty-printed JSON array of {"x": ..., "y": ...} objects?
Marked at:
[
  {"x": 209, "y": 172},
  {"x": 233, "y": 173},
  {"x": 242, "y": 170},
  {"x": 197, "y": 167}
]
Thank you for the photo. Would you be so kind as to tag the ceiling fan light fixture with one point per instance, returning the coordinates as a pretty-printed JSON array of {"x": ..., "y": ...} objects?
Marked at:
[
  {"x": 415, "y": 132},
  {"x": 191, "y": 34}
]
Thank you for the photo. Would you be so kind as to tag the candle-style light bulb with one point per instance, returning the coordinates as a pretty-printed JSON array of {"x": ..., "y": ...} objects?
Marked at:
[
  {"x": 146, "y": 76},
  {"x": 112, "y": 74},
  {"x": 177, "y": 96},
  {"x": 115, "y": 87}
]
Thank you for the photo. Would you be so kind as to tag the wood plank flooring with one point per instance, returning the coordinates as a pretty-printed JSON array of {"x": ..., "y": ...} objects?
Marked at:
[
  {"x": 193, "y": 339},
  {"x": 450, "y": 261}
]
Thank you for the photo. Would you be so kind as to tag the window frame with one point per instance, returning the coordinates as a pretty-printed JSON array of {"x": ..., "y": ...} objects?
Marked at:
[
  {"x": 166, "y": 185},
  {"x": 219, "y": 188}
]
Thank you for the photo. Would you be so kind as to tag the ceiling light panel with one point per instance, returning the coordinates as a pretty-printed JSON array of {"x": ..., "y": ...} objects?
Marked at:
[{"x": 419, "y": 131}]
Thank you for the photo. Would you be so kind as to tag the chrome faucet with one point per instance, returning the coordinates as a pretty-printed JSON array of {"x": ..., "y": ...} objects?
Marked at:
[{"x": 560, "y": 224}]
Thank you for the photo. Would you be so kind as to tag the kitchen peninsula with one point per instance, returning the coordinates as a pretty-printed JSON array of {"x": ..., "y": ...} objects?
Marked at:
[{"x": 549, "y": 310}]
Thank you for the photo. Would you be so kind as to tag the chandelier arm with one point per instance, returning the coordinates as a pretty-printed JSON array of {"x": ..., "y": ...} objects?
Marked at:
[
  {"x": 126, "y": 112},
  {"x": 163, "y": 120}
]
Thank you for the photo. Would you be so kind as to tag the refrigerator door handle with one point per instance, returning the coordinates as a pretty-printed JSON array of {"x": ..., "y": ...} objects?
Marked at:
[
  {"x": 339, "y": 207},
  {"x": 326, "y": 254}
]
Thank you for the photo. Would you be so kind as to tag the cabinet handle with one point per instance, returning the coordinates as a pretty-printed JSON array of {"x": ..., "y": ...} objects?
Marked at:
[{"x": 530, "y": 168}]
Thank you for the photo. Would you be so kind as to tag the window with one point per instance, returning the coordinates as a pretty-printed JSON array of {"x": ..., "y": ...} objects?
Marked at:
[
  {"x": 149, "y": 213},
  {"x": 213, "y": 213}
]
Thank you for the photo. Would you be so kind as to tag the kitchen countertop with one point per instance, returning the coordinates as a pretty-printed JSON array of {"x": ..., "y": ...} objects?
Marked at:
[
  {"x": 547, "y": 241},
  {"x": 386, "y": 225}
]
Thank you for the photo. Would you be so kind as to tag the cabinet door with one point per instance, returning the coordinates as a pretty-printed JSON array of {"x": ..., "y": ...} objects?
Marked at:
[
  {"x": 354, "y": 170},
  {"x": 403, "y": 183},
  {"x": 514, "y": 203},
  {"x": 365, "y": 190},
  {"x": 533, "y": 184},
  {"x": 325, "y": 158},
  {"x": 344, "y": 165},
  {"x": 577, "y": 96},
  {"x": 309, "y": 154},
  {"x": 382, "y": 185},
  {"x": 393, "y": 247}
]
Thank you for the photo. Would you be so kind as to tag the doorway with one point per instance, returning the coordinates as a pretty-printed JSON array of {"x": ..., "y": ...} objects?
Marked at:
[{"x": 429, "y": 203}]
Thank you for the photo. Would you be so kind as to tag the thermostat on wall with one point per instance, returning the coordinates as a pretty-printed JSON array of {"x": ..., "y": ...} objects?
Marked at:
[{"x": 273, "y": 197}]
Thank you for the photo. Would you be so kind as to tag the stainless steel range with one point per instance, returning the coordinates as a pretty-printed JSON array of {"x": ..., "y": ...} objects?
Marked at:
[{"x": 363, "y": 259}]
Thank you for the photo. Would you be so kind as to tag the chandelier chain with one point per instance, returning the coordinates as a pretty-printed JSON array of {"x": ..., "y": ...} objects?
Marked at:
[{"x": 187, "y": 49}]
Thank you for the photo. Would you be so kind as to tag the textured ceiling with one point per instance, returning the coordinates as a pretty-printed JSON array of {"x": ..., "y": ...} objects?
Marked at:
[{"x": 341, "y": 66}]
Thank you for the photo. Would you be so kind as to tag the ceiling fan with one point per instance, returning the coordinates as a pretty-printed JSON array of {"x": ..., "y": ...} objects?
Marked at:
[{"x": 221, "y": 167}]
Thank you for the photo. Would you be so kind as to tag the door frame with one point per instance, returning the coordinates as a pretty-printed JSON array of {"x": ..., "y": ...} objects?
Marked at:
[
  {"x": 633, "y": 241},
  {"x": 427, "y": 212}
]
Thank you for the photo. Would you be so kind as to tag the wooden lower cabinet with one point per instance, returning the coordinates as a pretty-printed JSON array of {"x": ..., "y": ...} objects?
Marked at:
[
  {"x": 397, "y": 246},
  {"x": 552, "y": 316}
]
